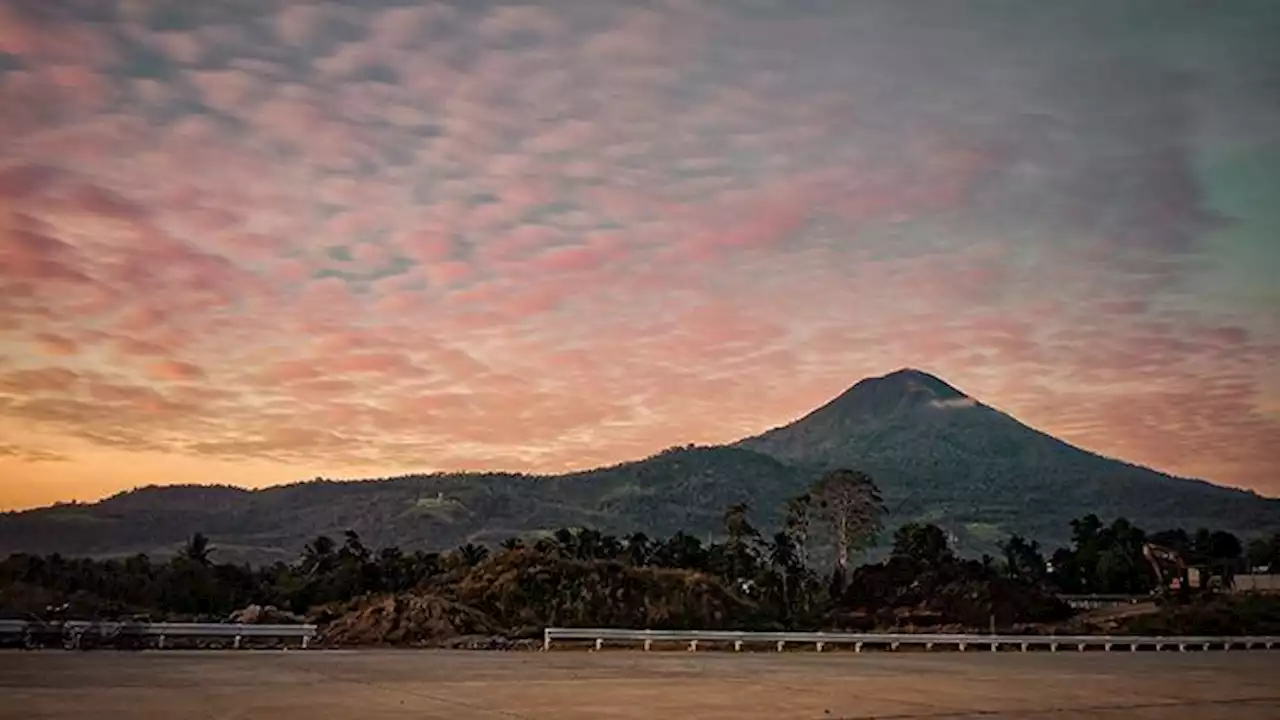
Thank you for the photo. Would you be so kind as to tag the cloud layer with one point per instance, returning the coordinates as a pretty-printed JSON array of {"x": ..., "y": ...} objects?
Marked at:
[{"x": 255, "y": 241}]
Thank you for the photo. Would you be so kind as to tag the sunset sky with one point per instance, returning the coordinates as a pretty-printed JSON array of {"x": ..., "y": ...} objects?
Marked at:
[{"x": 256, "y": 241}]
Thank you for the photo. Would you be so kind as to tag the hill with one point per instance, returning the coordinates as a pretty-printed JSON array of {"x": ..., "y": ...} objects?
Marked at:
[
  {"x": 940, "y": 456},
  {"x": 675, "y": 490}
]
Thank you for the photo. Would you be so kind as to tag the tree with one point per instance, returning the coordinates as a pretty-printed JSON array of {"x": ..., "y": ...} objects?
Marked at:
[
  {"x": 471, "y": 554},
  {"x": 197, "y": 549},
  {"x": 1023, "y": 559},
  {"x": 851, "y": 505},
  {"x": 796, "y": 526},
  {"x": 924, "y": 544},
  {"x": 318, "y": 556},
  {"x": 637, "y": 549},
  {"x": 1264, "y": 552}
]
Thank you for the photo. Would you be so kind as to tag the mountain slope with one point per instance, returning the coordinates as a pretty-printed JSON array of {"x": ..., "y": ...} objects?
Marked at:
[
  {"x": 942, "y": 455},
  {"x": 939, "y": 455},
  {"x": 681, "y": 489}
]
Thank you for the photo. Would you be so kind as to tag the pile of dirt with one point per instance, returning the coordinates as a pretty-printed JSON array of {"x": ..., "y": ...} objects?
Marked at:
[
  {"x": 264, "y": 615},
  {"x": 408, "y": 619},
  {"x": 526, "y": 591}
]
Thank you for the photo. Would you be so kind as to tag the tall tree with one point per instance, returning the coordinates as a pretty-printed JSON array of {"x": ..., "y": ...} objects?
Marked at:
[
  {"x": 850, "y": 504},
  {"x": 740, "y": 548},
  {"x": 796, "y": 527}
]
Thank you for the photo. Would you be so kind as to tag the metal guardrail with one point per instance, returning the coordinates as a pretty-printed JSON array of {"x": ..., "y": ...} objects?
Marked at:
[
  {"x": 1096, "y": 601},
  {"x": 74, "y": 629},
  {"x": 892, "y": 641}
]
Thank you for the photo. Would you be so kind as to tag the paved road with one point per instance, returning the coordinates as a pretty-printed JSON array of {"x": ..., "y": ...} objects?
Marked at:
[{"x": 398, "y": 685}]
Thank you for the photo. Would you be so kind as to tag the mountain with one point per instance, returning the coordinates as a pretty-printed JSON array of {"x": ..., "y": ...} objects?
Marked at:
[
  {"x": 939, "y": 455},
  {"x": 942, "y": 456}
]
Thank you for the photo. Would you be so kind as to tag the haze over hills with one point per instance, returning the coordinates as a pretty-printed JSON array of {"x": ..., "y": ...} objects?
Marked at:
[{"x": 939, "y": 455}]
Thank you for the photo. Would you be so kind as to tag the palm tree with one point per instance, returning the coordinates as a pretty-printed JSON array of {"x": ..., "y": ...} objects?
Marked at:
[
  {"x": 472, "y": 554},
  {"x": 637, "y": 549},
  {"x": 318, "y": 556},
  {"x": 197, "y": 549}
]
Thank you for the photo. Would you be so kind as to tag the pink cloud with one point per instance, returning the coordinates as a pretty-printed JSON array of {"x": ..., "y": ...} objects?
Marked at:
[
  {"x": 56, "y": 345},
  {"x": 42, "y": 380},
  {"x": 299, "y": 24},
  {"x": 594, "y": 250},
  {"x": 378, "y": 363},
  {"x": 175, "y": 371}
]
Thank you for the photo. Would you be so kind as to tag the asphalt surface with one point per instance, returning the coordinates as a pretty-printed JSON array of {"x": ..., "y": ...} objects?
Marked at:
[{"x": 627, "y": 685}]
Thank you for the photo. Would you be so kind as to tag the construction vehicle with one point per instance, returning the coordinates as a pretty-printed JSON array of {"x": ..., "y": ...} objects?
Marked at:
[
  {"x": 1170, "y": 569},
  {"x": 1174, "y": 577}
]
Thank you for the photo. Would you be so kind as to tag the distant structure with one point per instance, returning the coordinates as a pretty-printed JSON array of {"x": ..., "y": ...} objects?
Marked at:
[{"x": 1256, "y": 582}]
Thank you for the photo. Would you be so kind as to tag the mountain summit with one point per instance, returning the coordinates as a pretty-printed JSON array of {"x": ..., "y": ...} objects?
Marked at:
[
  {"x": 939, "y": 456},
  {"x": 900, "y": 392}
]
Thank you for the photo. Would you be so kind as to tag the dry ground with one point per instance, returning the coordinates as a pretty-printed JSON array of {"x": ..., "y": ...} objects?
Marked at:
[{"x": 395, "y": 685}]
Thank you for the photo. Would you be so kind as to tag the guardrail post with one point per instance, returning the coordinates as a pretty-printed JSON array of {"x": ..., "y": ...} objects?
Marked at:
[
  {"x": 307, "y": 638},
  {"x": 546, "y": 639},
  {"x": 160, "y": 642},
  {"x": 1133, "y": 647},
  {"x": 781, "y": 644},
  {"x": 693, "y": 646},
  {"x": 963, "y": 646},
  {"x": 1205, "y": 647},
  {"x": 818, "y": 646},
  {"x": 995, "y": 647},
  {"x": 1024, "y": 647},
  {"x": 1106, "y": 647},
  {"x": 928, "y": 646},
  {"x": 236, "y": 643},
  {"x": 599, "y": 644},
  {"x": 737, "y": 646},
  {"x": 893, "y": 645},
  {"x": 857, "y": 647},
  {"x": 1053, "y": 647},
  {"x": 1159, "y": 647},
  {"x": 1182, "y": 647},
  {"x": 648, "y": 644}
]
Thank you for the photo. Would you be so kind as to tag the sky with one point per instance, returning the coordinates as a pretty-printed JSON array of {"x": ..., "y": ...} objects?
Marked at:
[{"x": 259, "y": 241}]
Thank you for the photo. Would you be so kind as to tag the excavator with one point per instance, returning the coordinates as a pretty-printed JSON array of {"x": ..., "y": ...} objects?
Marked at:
[
  {"x": 1169, "y": 568},
  {"x": 1172, "y": 572}
]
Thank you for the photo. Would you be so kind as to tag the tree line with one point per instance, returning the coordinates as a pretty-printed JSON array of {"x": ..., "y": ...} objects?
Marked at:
[{"x": 756, "y": 578}]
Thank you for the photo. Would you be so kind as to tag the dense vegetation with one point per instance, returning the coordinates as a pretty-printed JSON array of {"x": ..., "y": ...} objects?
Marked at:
[{"x": 748, "y": 578}]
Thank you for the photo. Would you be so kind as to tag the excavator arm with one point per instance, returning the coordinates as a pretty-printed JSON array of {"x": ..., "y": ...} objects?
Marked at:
[{"x": 1160, "y": 558}]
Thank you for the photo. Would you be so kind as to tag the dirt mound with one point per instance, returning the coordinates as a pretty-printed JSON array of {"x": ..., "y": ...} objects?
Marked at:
[
  {"x": 264, "y": 615},
  {"x": 527, "y": 591},
  {"x": 409, "y": 619}
]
